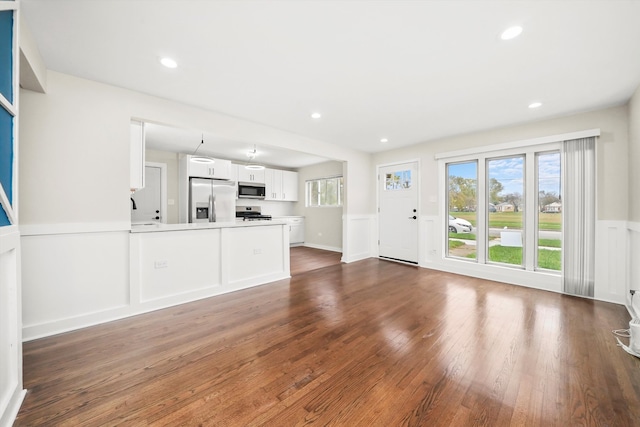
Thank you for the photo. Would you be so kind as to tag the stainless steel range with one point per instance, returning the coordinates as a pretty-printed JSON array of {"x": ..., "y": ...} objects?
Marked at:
[{"x": 251, "y": 213}]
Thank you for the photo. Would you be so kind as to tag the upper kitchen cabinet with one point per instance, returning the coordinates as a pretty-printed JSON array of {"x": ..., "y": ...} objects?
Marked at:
[
  {"x": 281, "y": 185},
  {"x": 136, "y": 157},
  {"x": 218, "y": 168},
  {"x": 273, "y": 184},
  {"x": 249, "y": 175},
  {"x": 289, "y": 186}
]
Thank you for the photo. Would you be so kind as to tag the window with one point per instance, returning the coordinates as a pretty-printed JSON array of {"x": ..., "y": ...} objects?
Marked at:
[
  {"x": 549, "y": 212},
  {"x": 505, "y": 207},
  {"x": 462, "y": 205},
  {"x": 324, "y": 192}
]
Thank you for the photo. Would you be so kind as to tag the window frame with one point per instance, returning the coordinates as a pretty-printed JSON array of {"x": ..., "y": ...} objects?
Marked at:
[
  {"x": 339, "y": 190},
  {"x": 529, "y": 238}
]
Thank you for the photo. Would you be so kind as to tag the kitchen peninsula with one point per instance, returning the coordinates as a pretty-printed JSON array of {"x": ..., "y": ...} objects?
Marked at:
[{"x": 176, "y": 263}]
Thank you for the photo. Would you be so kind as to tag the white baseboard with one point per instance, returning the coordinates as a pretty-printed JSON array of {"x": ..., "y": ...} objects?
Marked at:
[{"x": 323, "y": 247}]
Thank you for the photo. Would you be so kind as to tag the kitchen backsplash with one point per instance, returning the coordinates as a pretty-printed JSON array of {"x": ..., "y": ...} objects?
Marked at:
[{"x": 269, "y": 207}]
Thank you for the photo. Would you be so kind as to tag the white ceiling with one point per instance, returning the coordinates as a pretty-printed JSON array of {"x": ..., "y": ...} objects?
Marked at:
[{"x": 409, "y": 71}]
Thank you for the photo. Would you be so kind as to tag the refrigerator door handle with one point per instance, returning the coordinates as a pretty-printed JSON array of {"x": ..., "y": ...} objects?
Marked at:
[{"x": 212, "y": 207}]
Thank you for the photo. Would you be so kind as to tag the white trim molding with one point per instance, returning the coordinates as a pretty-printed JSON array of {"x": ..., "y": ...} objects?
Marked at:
[
  {"x": 488, "y": 149},
  {"x": 11, "y": 388},
  {"x": 358, "y": 240}
]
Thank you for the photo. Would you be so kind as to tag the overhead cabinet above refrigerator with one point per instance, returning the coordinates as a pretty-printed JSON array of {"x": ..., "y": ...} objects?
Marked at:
[{"x": 217, "y": 168}]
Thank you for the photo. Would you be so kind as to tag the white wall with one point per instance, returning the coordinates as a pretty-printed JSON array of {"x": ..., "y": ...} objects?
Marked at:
[
  {"x": 75, "y": 163},
  {"x": 323, "y": 225}
]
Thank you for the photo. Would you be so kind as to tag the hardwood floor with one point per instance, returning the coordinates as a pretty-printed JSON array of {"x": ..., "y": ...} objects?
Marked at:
[
  {"x": 305, "y": 259},
  {"x": 372, "y": 343}
]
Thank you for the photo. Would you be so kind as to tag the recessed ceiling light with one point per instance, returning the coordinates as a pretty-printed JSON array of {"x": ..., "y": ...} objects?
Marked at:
[
  {"x": 384, "y": 140},
  {"x": 316, "y": 115},
  {"x": 535, "y": 104},
  {"x": 168, "y": 62},
  {"x": 511, "y": 33}
]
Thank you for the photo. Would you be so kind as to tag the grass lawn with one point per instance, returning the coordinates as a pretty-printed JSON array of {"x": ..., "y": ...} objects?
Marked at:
[
  {"x": 548, "y": 259},
  {"x": 455, "y": 244},
  {"x": 547, "y": 221}
]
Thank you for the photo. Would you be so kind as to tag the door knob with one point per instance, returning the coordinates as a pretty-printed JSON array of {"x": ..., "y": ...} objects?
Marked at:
[
  {"x": 157, "y": 217},
  {"x": 412, "y": 217}
]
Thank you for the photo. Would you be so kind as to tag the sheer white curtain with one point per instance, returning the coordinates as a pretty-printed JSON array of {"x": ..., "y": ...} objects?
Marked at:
[{"x": 578, "y": 203}]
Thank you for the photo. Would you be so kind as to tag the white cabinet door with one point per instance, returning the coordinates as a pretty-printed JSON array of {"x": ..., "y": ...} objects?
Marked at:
[
  {"x": 233, "y": 176},
  {"x": 136, "y": 144},
  {"x": 273, "y": 184},
  {"x": 289, "y": 186},
  {"x": 248, "y": 175},
  {"x": 296, "y": 230},
  {"x": 220, "y": 169}
]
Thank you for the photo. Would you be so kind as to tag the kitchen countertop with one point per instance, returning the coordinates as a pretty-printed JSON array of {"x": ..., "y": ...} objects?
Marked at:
[{"x": 151, "y": 228}]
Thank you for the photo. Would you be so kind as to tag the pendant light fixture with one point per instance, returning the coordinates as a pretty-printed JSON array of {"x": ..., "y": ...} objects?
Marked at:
[
  {"x": 252, "y": 165},
  {"x": 200, "y": 159}
]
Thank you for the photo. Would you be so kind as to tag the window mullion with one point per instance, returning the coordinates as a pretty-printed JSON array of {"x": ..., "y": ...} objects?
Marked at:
[
  {"x": 481, "y": 212},
  {"x": 530, "y": 220}
]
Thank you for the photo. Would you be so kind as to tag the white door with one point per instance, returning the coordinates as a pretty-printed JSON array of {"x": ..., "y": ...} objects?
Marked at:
[
  {"x": 398, "y": 212},
  {"x": 148, "y": 199}
]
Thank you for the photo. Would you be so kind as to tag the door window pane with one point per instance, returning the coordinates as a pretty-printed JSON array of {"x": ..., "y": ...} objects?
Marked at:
[
  {"x": 549, "y": 232},
  {"x": 505, "y": 210},
  {"x": 462, "y": 205}
]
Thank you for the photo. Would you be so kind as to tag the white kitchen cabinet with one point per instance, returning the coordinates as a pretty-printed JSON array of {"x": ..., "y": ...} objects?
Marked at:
[
  {"x": 219, "y": 169},
  {"x": 296, "y": 229},
  {"x": 234, "y": 172},
  {"x": 273, "y": 184},
  {"x": 136, "y": 155},
  {"x": 281, "y": 185},
  {"x": 289, "y": 186},
  {"x": 248, "y": 175}
]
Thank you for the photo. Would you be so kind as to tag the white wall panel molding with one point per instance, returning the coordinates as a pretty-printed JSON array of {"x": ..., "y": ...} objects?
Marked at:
[
  {"x": 428, "y": 240},
  {"x": 611, "y": 272},
  {"x": 633, "y": 255},
  {"x": 72, "y": 281},
  {"x": 73, "y": 228},
  {"x": 11, "y": 391},
  {"x": 358, "y": 237}
]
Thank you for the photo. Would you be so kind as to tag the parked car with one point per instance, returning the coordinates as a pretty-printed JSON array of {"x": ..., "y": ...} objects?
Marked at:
[{"x": 459, "y": 225}]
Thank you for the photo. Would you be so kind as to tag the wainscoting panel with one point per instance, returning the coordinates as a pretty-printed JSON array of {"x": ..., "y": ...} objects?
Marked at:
[{"x": 358, "y": 237}]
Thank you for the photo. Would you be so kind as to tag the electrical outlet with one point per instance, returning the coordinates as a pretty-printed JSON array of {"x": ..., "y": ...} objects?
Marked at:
[
  {"x": 161, "y": 264},
  {"x": 171, "y": 202},
  {"x": 257, "y": 251}
]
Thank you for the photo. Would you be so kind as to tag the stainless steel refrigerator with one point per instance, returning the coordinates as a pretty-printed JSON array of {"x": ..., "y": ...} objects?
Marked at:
[{"x": 212, "y": 200}]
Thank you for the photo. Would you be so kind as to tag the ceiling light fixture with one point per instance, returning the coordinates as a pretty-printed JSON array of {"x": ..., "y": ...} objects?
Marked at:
[
  {"x": 384, "y": 140},
  {"x": 316, "y": 115},
  {"x": 535, "y": 105},
  {"x": 200, "y": 159},
  {"x": 168, "y": 62},
  {"x": 252, "y": 165},
  {"x": 511, "y": 33}
]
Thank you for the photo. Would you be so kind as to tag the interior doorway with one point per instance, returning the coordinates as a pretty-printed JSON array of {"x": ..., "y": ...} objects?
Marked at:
[{"x": 150, "y": 201}]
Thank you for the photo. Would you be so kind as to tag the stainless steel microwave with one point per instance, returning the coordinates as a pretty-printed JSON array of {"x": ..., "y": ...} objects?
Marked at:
[{"x": 251, "y": 190}]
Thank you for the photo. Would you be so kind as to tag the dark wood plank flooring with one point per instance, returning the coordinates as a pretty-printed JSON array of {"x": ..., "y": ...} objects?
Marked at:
[
  {"x": 305, "y": 259},
  {"x": 372, "y": 343}
]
